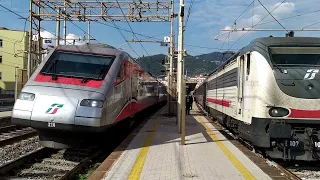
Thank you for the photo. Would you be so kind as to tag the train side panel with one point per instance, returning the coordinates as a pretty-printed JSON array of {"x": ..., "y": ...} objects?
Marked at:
[{"x": 230, "y": 91}]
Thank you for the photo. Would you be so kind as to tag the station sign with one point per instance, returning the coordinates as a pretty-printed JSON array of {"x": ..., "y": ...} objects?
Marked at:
[{"x": 166, "y": 39}]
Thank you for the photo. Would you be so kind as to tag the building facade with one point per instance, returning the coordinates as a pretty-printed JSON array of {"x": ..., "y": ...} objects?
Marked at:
[{"x": 13, "y": 56}]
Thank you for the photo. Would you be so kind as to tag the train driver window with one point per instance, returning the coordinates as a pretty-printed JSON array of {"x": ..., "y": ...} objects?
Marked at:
[{"x": 248, "y": 64}]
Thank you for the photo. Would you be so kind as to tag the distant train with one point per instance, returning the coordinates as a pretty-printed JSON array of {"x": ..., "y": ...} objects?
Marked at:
[
  {"x": 84, "y": 89},
  {"x": 269, "y": 94}
]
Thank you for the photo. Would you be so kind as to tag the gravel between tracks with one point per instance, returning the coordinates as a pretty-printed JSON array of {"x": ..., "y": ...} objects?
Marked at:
[
  {"x": 306, "y": 174},
  {"x": 5, "y": 122},
  {"x": 16, "y": 150}
]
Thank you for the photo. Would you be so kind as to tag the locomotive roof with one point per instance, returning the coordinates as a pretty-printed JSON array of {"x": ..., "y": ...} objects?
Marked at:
[
  {"x": 261, "y": 45},
  {"x": 91, "y": 48}
]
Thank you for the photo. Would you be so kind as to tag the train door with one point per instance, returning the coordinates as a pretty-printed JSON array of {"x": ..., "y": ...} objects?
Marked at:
[
  {"x": 240, "y": 86},
  {"x": 243, "y": 91},
  {"x": 135, "y": 83},
  {"x": 129, "y": 76},
  {"x": 119, "y": 94},
  {"x": 248, "y": 100}
]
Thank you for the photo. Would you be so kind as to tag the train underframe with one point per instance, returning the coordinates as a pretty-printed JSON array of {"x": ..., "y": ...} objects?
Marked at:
[
  {"x": 63, "y": 136},
  {"x": 287, "y": 139}
]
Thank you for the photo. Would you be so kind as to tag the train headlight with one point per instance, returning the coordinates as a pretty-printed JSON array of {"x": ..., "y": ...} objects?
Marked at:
[
  {"x": 91, "y": 103},
  {"x": 26, "y": 96},
  {"x": 278, "y": 112}
]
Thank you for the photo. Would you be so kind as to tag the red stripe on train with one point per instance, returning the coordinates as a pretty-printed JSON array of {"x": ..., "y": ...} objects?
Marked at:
[
  {"x": 70, "y": 81},
  {"x": 131, "y": 109},
  {"x": 296, "y": 113},
  {"x": 219, "y": 102}
]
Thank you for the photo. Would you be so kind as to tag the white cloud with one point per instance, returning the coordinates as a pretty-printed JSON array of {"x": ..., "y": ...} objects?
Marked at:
[
  {"x": 71, "y": 38},
  {"x": 284, "y": 9},
  {"x": 208, "y": 14}
]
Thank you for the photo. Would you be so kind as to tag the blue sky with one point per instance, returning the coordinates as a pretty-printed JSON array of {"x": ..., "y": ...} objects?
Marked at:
[{"x": 206, "y": 20}]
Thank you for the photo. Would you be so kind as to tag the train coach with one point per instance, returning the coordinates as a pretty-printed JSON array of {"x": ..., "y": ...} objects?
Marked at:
[
  {"x": 79, "y": 90},
  {"x": 268, "y": 93}
]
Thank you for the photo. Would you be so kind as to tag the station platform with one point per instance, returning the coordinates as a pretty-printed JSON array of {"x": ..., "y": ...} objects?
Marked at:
[{"x": 155, "y": 153}]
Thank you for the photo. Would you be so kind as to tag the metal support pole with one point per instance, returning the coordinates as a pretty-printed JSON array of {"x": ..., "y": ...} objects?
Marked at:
[
  {"x": 88, "y": 31},
  {"x": 65, "y": 25},
  {"x": 16, "y": 84},
  {"x": 58, "y": 29},
  {"x": 183, "y": 112},
  {"x": 30, "y": 44},
  {"x": 170, "y": 76},
  {"x": 40, "y": 41},
  {"x": 181, "y": 98}
]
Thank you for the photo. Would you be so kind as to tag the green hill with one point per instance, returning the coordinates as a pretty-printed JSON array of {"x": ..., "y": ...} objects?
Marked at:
[{"x": 194, "y": 65}]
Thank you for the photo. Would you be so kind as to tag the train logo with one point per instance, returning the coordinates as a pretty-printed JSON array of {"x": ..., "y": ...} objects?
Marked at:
[
  {"x": 54, "y": 108},
  {"x": 312, "y": 73}
]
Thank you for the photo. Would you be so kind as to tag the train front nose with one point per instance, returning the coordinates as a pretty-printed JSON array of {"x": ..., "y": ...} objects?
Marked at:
[{"x": 54, "y": 112}]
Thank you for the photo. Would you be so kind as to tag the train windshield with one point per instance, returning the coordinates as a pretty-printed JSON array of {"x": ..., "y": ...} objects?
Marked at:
[
  {"x": 77, "y": 65},
  {"x": 283, "y": 56}
]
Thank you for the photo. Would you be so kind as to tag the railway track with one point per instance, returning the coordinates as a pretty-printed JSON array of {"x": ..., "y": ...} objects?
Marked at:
[
  {"x": 37, "y": 162},
  {"x": 6, "y": 121},
  {"x": 46, "y": 163},
  {"x": 11, "y": 134}
]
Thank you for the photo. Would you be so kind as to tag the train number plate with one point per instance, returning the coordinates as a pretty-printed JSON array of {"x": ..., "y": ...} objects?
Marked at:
[
  {"x": 51, "y": 124},
  {"x": 294, "y": 143}
]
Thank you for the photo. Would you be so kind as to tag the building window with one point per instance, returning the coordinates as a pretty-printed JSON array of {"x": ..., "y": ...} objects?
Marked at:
[
  {"x": 0, "y": 75},
  {"x": 0, "y": 59},
  {"x": 0, "y": 42}
]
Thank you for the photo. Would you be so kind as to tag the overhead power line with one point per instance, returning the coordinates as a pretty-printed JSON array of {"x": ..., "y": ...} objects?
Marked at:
[
  {"x": 225, "y": 41},
  {"x": 66, "y": 15},
  {"x": 189, "y": 12},
  {"x": 289, "y": 17},
  {"x": 24, "y": 18},
  {"x": 131, "y": 27},
  {"x": 256, "y": 24},
  {"x": 311, "y": 24},
  {"x": 272, "y": 15},
  {"x": 134, "y": 33},
  {"x": 244, "y": 11},
  {"x": 12, "y": 11}
]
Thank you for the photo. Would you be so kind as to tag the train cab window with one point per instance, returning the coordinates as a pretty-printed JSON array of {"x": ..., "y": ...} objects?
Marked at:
[
  {"x": 248, "y": 64},
  {"x": 77, "y": 65}
]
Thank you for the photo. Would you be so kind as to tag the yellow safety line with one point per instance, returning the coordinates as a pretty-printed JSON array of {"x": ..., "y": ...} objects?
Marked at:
[
  {"x": 243, "y": 170},
  {"x": 138, "y": 165}
]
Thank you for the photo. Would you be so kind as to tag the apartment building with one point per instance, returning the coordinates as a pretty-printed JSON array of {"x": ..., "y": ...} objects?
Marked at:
[{"x": 13, "y": 55}]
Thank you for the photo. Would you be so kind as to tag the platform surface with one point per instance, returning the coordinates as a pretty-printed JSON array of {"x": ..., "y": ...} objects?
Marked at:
[{"x": 156, "y": 153}]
